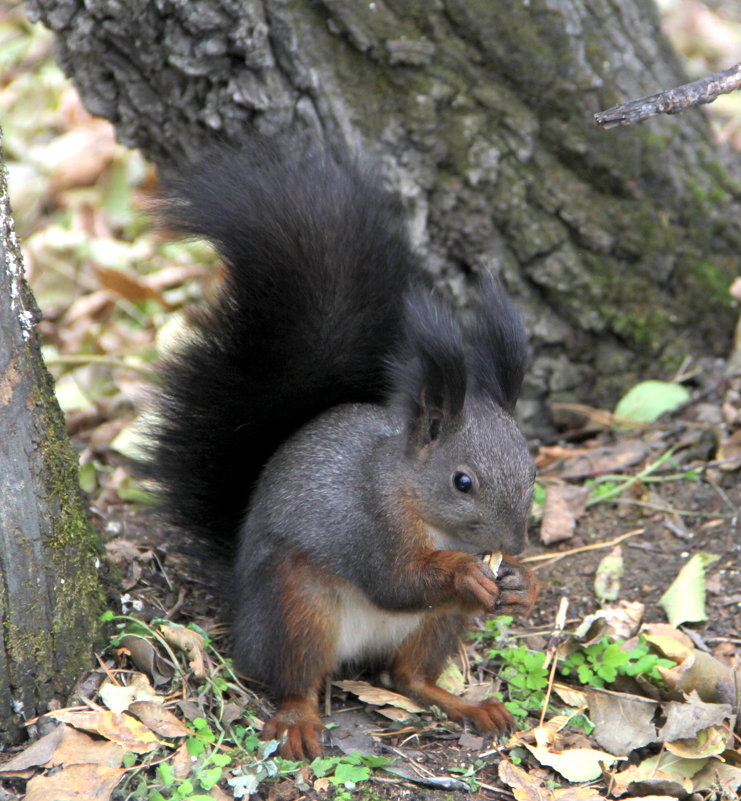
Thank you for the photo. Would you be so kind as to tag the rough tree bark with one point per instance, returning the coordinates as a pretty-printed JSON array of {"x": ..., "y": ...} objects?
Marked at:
[
  {"x": 50, "y": 595},
  {"x": 619, "y": 245}
]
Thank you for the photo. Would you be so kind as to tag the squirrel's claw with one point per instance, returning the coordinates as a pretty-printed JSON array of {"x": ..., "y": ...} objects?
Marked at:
[
  {"x": 474, "y": 581},
  {"x": 518, "y": 587},
  {"x": 298, "y": 726},
  {"x": 490, "y": 717}
]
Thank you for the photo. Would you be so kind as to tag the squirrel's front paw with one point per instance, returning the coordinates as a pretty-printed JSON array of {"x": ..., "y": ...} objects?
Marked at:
[
  {"x": 475, "y": 583},
  {"x": 518, "y": 587},
  {"x": 298, "y": 725}
]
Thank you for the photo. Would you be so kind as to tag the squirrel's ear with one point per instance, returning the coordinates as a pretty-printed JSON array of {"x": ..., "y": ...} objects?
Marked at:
[
  {"x": 499, "y": 346},
  {"x": 430, "y": 372}
]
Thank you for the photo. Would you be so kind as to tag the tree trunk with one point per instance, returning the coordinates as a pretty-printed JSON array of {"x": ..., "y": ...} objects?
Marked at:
[
  {"x": 50, "y": 596},
  {"x": 618, "y": 245}
]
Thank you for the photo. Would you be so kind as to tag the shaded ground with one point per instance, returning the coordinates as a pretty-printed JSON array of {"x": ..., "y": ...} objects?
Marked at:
[
  {"x": 675, "y": 518},
  {"x": 653, "y": 558}
]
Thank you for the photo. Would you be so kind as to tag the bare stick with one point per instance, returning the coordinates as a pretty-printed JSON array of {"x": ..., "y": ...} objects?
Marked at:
[
  {"x": 549, "y": 558},
  {"x": 673, "y": 100}
]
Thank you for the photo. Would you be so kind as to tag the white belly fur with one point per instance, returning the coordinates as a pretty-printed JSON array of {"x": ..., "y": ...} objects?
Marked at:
[{"x": 365, "y": 630}]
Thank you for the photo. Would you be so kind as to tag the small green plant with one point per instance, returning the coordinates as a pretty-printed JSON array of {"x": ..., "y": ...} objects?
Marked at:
[
  {"x": 348, "y": 770},
  {"x": 596, "y": 665},
  {"x": 602, "y": 490},
  {"x": 235, "y": 753},
  {"x": 496, "y": 628},
  {"x": 600, "y": 663},
  {"x": 526, "y": 679},
  {"x": 522, "y": 669},
  {"x": 610, "y": 487},
  {"x": 468, "y": 773},
  {"x": 255, "y": 762},
  {"x": 539, "y": 494}
]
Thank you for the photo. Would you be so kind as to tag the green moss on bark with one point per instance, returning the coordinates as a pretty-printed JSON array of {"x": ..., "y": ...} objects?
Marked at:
[{"x": 74, "y": 550}]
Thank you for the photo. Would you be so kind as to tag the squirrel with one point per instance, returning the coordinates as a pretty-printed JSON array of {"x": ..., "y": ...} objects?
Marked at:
[{"x": 331, "y": 420}]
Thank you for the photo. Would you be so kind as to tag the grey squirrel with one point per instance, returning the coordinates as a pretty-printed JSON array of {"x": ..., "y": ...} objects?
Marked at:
[{"x": 330, "y": 420}]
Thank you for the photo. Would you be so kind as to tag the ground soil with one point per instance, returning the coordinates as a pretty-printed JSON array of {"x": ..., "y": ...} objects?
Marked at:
[
  {"x": 676, "y": 519},
  {"x": 162, "y": 576}
]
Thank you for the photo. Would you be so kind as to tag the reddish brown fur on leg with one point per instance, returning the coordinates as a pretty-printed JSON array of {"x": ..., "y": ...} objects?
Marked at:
[
  {"x": 419, "y": 662},
  {"x": 307, "y": 647}
]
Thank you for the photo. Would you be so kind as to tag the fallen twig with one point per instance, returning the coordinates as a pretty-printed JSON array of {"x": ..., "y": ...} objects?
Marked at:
[{"x": 549, "y": 558}]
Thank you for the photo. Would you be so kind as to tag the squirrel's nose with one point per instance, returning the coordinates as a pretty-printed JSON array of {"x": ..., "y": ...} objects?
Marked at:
[{"x": 514, "y": 539}]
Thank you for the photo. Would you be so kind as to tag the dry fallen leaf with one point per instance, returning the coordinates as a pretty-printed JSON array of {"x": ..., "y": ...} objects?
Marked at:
[
  {"x": 635, "y": 714},
  {"x": 684, "y": 599},
  {"x": 563, "y": 506},
  {"x": 79, "y": 156},
  {"x": 702, "y": 673},
  {"x": 38, "y": 753},
  {"x": 571, "y": 696},
  {"x": 182, "y": 762},
  {"x": 190, "y": 643},
  {"x": 608, "y": 575},
  {"x": 585, "y": 794},
  {"x": 78, "y": 748},
  {"x": 638, "y": 719},
  {"x": 685, "y": 720},
  {"x": 524, "y": 786},
  {"x": 729, "y": 452},
  {"x": 125, "y": 284},
  {"x": 144, "y": 655},
  {"x": 663, "y": 773},
  {"x": 160, "y": 720},
  {"x": 619, "y": 621},
  {"x": 677, "y": 648},
  {"x": 217, "y": 794},
  {"x": 708, "y": 742},
  {"x": 549, "y": 455},
  {"x": 378, "y": 696},
  {"x": 118, "y": 697},
  {"x": 606, "y": 459},
  {"x": 394, "y": 713},
  {"x": 574, "y": 764},
  {"x": 471, "y": 742},
  {"x": 718, "y": 775},
  {"x": 120, "y": 728},
  {"x": 546, "y": 734},
  {"x": 122, "y": 551},
  {"x": 75, "y": 783}
]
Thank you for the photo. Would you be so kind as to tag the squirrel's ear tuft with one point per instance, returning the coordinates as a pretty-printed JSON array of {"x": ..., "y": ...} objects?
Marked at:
[
  {"x": 499, "y": 346},
  {"x": 429, "y": 373}
]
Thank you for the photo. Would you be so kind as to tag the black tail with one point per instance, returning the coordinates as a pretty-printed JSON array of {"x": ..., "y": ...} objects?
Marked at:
[{"x": 317, "y": 263}]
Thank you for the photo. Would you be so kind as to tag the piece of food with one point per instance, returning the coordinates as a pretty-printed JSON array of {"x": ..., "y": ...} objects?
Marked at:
[{"x": 493, "y": 560}]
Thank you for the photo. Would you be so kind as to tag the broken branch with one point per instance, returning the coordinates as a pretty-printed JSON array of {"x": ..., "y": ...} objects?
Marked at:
[{"x": 672, "y": 101}]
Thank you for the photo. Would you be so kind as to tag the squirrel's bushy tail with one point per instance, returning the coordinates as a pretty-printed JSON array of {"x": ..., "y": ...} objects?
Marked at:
[{"x": 317, "y": 262}]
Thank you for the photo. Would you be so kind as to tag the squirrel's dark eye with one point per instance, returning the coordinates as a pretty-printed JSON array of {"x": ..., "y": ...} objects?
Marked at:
[{"x": 462, "y": 482}]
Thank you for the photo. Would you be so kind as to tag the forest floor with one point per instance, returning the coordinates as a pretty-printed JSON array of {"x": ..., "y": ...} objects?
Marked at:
[
  {"x": 682, "y": 497},
  {"x": 689, "y": 505}
]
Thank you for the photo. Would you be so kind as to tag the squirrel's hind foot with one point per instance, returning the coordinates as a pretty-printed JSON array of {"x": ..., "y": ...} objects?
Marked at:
[
  {"x": 490, "y": 716},
  {"x": 298, "y": 726}
]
